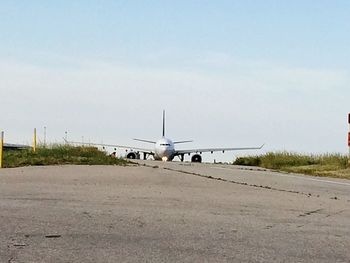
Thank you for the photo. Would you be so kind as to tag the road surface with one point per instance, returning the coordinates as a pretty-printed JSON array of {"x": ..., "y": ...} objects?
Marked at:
[{"x": 171, "y": 212}]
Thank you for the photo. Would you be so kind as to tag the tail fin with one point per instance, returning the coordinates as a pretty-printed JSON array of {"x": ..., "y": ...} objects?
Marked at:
[{"x": 163, "y": 123}]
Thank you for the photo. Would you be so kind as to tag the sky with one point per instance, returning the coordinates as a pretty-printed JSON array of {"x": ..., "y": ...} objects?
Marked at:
[{"x": 228, "y": 73}]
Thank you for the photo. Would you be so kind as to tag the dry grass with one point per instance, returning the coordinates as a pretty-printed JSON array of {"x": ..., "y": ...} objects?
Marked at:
[
  {"x": 59, "y": 154},
  {"x": 327, "y": 165}
]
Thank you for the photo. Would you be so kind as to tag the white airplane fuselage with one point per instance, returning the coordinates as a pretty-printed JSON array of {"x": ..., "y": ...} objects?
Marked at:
[{"x": 164, "y": 149}]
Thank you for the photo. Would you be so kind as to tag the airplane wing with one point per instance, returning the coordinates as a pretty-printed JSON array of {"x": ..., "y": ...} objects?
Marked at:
[
  {"x": 141, "y": 140},
  {"x": 199, "y": 150},
  {"x": 149, "y": 151},
  {"x": 11, "y": 146}
]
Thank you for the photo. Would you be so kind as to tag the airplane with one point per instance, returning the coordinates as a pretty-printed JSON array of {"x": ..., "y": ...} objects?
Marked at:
[
  {"x": 11, "y": 146},
  {"x": 164, "y": 149}
]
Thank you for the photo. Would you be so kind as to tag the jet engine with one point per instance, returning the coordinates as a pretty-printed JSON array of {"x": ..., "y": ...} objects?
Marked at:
[
  {"x": 133, "y": 155},
  {"x": 196, "y": 158}
]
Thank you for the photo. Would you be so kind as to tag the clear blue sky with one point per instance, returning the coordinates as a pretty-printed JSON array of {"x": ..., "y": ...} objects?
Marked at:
[
  {"x": 270, "y": 71},
  {"x": 308, "y": 33}
]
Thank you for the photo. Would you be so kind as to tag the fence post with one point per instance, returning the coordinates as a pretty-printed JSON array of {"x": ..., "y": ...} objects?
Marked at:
[
  {"x": 349, "y": 139},
  {"x": 1, "y": 148},
  {"x": 34, "y": 140}
]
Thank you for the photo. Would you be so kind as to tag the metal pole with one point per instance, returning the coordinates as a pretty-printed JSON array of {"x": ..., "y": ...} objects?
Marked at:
[
  {"x": 349, "y": 139},
  {"x": 45, "y": 136},
  {"x": 34, "y": 140},
  {"x": 1, "y": 148}
]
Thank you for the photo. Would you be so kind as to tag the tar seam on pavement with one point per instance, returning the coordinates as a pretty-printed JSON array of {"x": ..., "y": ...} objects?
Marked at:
[{"x": 242, "y": 183}]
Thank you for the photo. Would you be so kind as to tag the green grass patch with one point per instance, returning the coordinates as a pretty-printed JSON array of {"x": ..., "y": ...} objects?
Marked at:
[
  {"x": 331, "y": 165},
  {"x": 59, "y": 155}
]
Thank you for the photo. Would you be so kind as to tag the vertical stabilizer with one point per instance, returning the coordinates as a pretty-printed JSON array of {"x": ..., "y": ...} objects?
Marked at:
[{"x": 163, "y": 123}]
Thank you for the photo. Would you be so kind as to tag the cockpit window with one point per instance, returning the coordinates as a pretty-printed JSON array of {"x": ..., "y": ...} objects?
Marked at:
[{"x": 164, "y": 144}]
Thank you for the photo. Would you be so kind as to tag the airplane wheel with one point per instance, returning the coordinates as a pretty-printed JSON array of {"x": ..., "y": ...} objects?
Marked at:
[
  {"x": 196, "y": 158},
  {"x": 131, "y": 156}
]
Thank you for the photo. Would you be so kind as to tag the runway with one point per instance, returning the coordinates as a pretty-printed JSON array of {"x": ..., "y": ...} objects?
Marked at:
[{"x": 171, "y": 212}]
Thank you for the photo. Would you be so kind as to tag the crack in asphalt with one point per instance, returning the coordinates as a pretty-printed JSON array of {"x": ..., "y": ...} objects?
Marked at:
[
  {"x": 310, "y": 212},
  {"x": 241, "y": 183}
]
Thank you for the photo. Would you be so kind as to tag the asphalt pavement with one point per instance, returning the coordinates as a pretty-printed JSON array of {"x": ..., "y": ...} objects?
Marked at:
[{"x": 171, "y": 212}]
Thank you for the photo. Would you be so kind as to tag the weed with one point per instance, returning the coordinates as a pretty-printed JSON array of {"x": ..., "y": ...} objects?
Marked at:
[
  {"x": 332, "y": 165},
  {"x": 59, "y": 154}
]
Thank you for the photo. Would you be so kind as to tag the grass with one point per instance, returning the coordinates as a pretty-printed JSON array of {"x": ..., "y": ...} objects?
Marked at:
[
  {"x": 330, "y": 165},
  {"x": 59, "y": 155}
]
